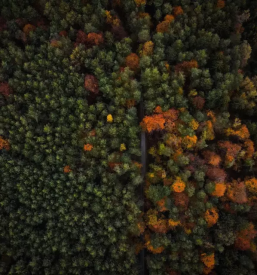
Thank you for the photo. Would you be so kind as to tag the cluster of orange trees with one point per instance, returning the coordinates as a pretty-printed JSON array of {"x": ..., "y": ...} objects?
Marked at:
[{"x": 194, "y": 187}]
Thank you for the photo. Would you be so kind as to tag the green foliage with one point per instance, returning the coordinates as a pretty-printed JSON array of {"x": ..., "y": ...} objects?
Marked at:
[
  {"x": 57, "y": 222},
  {"x": 156, "y": 193}
]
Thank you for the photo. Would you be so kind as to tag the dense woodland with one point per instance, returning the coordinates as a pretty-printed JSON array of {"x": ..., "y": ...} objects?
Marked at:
[{"x": 83, "y": 84}]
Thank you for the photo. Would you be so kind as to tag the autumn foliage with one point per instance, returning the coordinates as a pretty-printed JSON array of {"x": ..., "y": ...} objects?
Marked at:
[
  {"x": 91, "y": 84},
  {"x": 66, "y": 169},
  {"x": 208, "y": 259},
  {"x": 4, "y": 144},
  {"x": 177, "y": 10},
  {"x": 158, "y": 121},
  {"x": 221, "y": 4},
  {"x": 63, "y": 33},
  {"x": 5, "y": 89},
  {"x": 110, "y": 118},
  {"x": 209, "y": 262},
  {"x": 231, "y": 150},
  {"x": 181, "y": 200},
  {"x": 161, "y": 204},
  {"x": 242, "y": 132},
  {"x": 153, "y": 123},
  {"x": 163, "y": 26},
  {"x": 90, "y": 39},
  {"x": 28, "y": 28},
  {"x": 150, "y": 247},
  {"x": 130, "y": 103},
  {"x": 186, "y": 66},
  {"x": 184, "y": 140},
  {"x": 236, "y": 192},
  {"x": 178, "y": 186},
  {"x": 140, "y": 2},
  {"x": 216, "y": 174},
  {"x": 198, "y": 102},
  {"x": 112, "y": 19},
  {"x": 212, "y": 158},
  {"x": 251, "y": 185},
  {"x": 211, "y": 216},
  {"x": 169, "y": 18},
  {"x": 148, "y": 48},
  {"x": 132, "y": 61},
  {"x": 55, "y": 43},
  {"x": 88, "y": 147},
  {"x": 249, "y": 148},
  {"x": 245, "y": 237},
  {"x": 173, "y": 224},
  {"x": 95, "y": 38},
  {"x": 220, "y": 189}
]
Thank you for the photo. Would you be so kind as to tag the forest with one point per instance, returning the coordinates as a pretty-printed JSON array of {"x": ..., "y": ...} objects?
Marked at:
[{"x": 128, "y": 137}]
